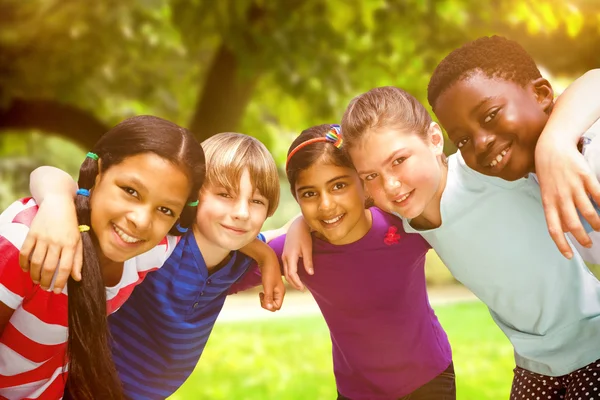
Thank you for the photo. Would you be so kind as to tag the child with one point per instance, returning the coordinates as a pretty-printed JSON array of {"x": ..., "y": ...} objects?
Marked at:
[
  {"x": 134, "y": 187},
  {"x": 159, "y": 335},
  {"x": 387, "y": 342},
  {"x": 491, "y": 234},
  {"x": 494, "y": 104}
]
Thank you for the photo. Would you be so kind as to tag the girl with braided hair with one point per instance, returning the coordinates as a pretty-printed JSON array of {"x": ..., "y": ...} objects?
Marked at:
[{"x": 139, "y": 183}]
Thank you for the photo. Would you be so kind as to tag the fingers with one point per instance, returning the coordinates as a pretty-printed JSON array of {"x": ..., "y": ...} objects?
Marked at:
[
  {"x": 26, "y": 251},
  {"x": 556, "y": 231},
  {"x": 278, "y": 295},
  {"x": 584, "y": 204},
  {"x": 64, "y": 269},
  {"x": 291, "y": 275},
  {"x": 77, "y": 261},
  {"x": 307, "y": 261},
  {"x": 49, "y": 266},
  {"x": 266, "y": 302},
  {"x": 36, "y": 261}
]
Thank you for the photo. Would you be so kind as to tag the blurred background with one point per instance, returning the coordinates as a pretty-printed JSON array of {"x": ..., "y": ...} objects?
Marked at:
[{"x": 70, "y": 69}]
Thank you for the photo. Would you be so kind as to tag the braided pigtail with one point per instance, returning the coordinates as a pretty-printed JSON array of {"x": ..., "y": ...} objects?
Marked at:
[{"x": 92, "y": 374}]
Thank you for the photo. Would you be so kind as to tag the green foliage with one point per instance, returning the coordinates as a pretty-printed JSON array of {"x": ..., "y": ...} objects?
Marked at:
[
  {"x": 20, "y": 154},
  {"x": 290, "y": 358},
  {"x": 118, "y": 58}
]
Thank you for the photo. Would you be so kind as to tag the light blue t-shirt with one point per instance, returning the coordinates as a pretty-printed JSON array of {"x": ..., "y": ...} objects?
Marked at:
[{"x": 494, "y": 240}]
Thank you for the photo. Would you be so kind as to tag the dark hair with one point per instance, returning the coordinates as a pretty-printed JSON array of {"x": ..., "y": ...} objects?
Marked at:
[
  {"x": 92, "y": 374},
  {"x": 495, "y": 56},
  {"x": 311, "y": 153},
  {"x": 386, "y": 107}
]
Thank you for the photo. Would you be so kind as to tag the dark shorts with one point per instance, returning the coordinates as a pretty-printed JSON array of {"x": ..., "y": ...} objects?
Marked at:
[
  {"x": 583, "y": 384},
  {"x": 442, "y": 387}
]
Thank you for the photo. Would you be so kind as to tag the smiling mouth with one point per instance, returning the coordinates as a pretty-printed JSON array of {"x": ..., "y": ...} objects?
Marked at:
[
  {"x": 234, "y": 230},
  {"x": 333, "y": 220},
  {"x": 124, "y": 236},
  {"x": 498, "y": 159},
  {"x": 404, "y": 197}
]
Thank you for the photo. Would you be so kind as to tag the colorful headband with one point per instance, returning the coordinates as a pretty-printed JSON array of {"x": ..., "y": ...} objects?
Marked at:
[
  {"x": 333, "y": 136},
  {"x": 83, "y": 192},
  {"x": 91, "y": 155},
  {"x": 192, "y": 203},
  {"x": 83, "y": 228}
]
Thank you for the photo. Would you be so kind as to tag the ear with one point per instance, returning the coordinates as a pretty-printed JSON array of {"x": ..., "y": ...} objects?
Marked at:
[
  {"x": 99, "y": 175},
  {"x": 436, "y": 138},
  {"x": 544, "y": 93}
]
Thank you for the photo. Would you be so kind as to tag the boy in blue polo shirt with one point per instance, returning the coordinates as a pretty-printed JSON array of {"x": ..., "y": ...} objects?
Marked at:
[{"x": 160, "y": 333}]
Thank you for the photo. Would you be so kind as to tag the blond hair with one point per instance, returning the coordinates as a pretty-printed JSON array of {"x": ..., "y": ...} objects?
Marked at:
[
  {"x": 229, "y": 154},
  {"x": 386, "y": 107}
]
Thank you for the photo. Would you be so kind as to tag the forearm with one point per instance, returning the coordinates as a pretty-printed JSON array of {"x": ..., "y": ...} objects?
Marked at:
[
  {"x": 575, "y": 110},
  {"x": 260, "y": 252},
  {"x": 49, "y": 181}
]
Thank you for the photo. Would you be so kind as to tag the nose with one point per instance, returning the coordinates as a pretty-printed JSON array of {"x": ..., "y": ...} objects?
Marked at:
[
  {"x": 140, "y": 217},
  {"x": 482, "y": 142},
  {"x": 241, "y": 210},
  {"x": 391, "y": 184},
  {"x": 326, "y": 203}
]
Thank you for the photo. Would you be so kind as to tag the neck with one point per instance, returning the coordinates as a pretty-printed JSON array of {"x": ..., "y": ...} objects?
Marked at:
[
  {"x": 358, "y": 231},
  {"x": 431, "y": 217},
  {"x": 214, "y": 256},
  {"x": 112, "y": 271}
]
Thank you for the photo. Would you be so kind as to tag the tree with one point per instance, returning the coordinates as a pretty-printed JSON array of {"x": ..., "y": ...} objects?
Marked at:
[{"x": 74, "y": 67}]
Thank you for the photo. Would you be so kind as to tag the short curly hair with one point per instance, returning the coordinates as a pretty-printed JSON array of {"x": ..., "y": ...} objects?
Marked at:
[{"x": 495, "y": 56}]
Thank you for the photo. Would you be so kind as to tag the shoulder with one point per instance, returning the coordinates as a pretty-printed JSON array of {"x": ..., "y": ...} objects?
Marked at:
[
  {"x": 20, "y": 212},
  {"x": 158, "y": 255},
  {"x": 15, "y": 222}
]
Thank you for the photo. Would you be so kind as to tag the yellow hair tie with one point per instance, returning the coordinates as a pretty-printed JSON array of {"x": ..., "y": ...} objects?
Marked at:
[{"x": 84, "y": 228}]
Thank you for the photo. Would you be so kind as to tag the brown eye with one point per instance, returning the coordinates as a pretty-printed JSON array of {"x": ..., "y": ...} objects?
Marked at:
[
  {"x": 130, "y": 191},
  {"x": 166, "y": 211},
  {"x": 490, "y": 116}
]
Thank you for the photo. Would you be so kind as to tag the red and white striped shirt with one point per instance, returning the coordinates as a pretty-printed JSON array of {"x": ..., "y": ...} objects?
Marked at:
[{"x": 34, "y": 342}]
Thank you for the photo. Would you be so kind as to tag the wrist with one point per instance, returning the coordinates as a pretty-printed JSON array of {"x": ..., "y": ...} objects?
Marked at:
[{"x": 59, "y": 199}]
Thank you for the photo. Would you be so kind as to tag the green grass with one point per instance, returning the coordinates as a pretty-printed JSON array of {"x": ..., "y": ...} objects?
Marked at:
[{"x": 290, "y": 358}]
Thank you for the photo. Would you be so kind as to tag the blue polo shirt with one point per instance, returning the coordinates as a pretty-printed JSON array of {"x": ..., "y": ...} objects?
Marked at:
[{"x": 160, "y": 332}]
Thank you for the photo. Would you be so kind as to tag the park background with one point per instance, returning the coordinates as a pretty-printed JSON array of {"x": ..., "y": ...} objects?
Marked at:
[{"x": 70, "y": 69}]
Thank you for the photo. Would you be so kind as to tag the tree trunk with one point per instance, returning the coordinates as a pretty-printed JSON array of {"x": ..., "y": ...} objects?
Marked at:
[
  {"x": 224, "y": 96},
  {"x": 50, "y": 116}
]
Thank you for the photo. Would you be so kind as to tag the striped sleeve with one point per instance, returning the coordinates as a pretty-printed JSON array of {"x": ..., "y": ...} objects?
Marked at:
[
  {"x": 136, "y": 269},
  {"x": 14, "y": 283}
]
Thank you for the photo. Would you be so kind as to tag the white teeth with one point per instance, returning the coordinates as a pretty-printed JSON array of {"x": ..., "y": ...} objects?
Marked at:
[
  {"x": 498, "y": 158},
  {"x": 333, "y": 220},
  {"x": 125, "y": 237},
  {"x": 400, "y": 200}
]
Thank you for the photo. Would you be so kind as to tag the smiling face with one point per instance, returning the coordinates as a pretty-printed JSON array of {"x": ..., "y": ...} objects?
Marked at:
[
  {"x": 135, "y": 203},
  {"x": 227, "y": 221},
  {"x": 495, "y": 123},
  {"x": 332, "y": 202},
  {"x": 402, "y": 171}
]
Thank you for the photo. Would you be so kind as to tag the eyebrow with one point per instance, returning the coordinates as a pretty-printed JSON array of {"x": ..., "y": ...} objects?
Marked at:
[
  {"x": 452, "y": 132},
  {"x": 481, "y": 103},
  {"x": 327, "y": 183},
  {"x": 386, "y": 161}
]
